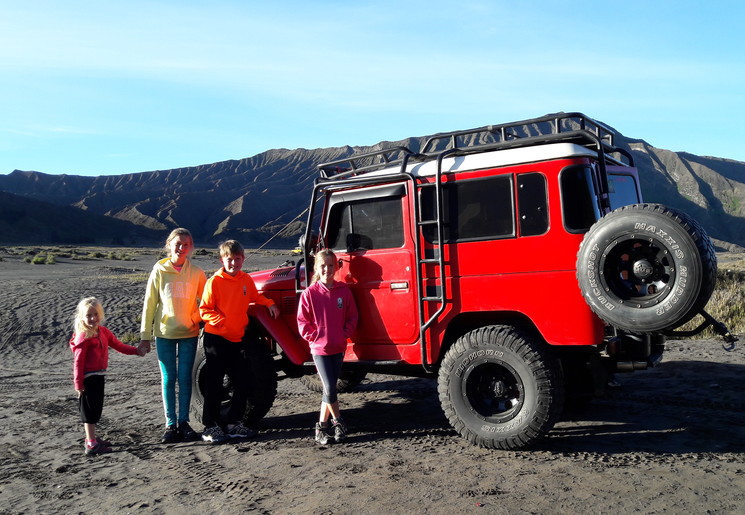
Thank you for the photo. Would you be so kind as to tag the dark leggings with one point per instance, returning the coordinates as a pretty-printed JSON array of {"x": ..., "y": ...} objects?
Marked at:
[
  {"x": 223, "y": 357},
  {"x": 329, "y": 369},
  {"x": 91, "y": 400}
]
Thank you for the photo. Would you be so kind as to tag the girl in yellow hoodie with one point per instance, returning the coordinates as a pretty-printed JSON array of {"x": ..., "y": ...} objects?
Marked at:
[{"x": 171, "y": 314}]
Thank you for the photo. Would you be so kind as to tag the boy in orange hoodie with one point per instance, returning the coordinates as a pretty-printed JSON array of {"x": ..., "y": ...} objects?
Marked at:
[{"x": 224, "y": 309}]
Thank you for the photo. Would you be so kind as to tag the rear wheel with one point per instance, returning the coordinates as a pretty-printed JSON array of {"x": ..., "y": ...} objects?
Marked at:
[
  {"x": 500, "y": 389},
  {"x": 646, "y": 267}
]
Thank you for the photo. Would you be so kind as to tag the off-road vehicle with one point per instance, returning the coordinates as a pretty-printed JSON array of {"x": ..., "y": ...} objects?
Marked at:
[{"x": 516, "y": 263}]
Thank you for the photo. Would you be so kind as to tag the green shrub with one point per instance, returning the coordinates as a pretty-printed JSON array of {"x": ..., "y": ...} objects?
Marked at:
[
  {"x": 727, "y": 304},
  {"x": 130, "y": 337}
]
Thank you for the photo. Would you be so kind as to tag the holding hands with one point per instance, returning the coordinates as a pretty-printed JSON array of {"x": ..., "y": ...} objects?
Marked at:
[{"x": 143, "y": 347}]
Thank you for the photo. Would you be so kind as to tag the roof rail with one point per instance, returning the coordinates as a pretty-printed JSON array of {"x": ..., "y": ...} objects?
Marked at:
[
  {"x": 360, "y": 163},
  {"x": 572, "y": 127},
  {"x": 544, "y": 125}
]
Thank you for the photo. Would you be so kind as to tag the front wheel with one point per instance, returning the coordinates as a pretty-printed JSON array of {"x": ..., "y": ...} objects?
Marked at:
[
  {"x": 500, "y": 389},
  {"x": 348, "y": 381},
  {"x": 262, "y": 389}
]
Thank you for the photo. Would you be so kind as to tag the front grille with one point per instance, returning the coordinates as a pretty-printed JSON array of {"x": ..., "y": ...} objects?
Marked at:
[{"x": 289, "y": 306}]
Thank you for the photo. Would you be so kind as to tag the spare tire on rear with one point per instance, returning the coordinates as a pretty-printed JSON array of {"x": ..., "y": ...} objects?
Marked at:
[{"x": 646, "y": 268}]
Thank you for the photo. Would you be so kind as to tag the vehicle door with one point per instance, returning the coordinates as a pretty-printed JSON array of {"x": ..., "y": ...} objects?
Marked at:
[{"x": 367, "y": 229}]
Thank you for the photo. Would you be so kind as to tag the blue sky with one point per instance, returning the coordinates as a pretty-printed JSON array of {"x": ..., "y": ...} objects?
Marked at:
[{"x": 101, "y": 88}]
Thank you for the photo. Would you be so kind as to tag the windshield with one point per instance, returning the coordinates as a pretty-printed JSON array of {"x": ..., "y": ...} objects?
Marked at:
[{"x": 623, "y": 190}]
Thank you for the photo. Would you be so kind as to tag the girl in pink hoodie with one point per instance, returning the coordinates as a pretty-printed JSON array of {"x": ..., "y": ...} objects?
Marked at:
[{"x": 327, "y": 317}]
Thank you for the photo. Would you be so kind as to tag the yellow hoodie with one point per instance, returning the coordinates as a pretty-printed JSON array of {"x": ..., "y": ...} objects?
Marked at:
[{"x": 171, "y": 307}]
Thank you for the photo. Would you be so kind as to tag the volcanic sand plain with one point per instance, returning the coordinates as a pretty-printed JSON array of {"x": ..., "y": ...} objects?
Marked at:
[{"x": 669, "y": 440}]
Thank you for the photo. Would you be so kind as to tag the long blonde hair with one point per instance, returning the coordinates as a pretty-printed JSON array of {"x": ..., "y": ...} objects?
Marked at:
[
  {"x": 179, "y": 231},
  {"x": 84, "y": 305},
  {"x": 320, "y": 259}
]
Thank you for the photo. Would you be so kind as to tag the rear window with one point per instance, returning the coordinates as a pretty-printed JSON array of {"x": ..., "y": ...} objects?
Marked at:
[{"x": 579, "y": 197}]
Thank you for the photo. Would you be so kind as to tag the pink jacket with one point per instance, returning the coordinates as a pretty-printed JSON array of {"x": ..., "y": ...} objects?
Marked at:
[
  {"x": 92, "y": 354},
  {"x": 327, "y": 317}
]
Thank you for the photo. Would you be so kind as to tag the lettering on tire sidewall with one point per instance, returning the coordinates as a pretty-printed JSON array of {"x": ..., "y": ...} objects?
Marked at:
[
  {"x": 477, "y": 354},
  {"x": 597, "y": 289},
  {"x": 474, "y": 359}
]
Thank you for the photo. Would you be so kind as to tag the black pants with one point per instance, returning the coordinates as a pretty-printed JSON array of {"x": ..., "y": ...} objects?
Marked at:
[
  {"x": 91, "y": 400},
  {"x": 224, "y": 357}
]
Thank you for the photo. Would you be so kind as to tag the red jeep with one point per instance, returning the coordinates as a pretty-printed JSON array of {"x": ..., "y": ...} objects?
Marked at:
[{"x": 516, "y": 263}]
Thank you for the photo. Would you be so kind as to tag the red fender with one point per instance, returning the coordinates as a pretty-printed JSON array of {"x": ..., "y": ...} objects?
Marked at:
[{"x": 295, "y": 348}]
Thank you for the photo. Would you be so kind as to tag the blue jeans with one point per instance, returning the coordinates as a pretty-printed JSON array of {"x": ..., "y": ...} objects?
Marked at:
[{"x": 176, "y": 359}]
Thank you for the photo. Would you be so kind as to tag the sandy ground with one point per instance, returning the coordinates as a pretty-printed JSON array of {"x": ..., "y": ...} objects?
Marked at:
[{"x": 670, "y": 440}]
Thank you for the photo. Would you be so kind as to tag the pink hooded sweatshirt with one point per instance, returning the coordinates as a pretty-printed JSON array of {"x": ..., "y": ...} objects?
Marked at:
[{"x": 327, "y": 317}]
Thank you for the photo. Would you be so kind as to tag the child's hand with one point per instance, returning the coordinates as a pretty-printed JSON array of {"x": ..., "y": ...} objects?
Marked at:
[
  {"x": 274, "y": 311},
  {"x": 143, "y": 347}
]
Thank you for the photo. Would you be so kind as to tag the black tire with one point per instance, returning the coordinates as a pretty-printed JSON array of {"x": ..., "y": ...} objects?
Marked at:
[
  {"x": 262, "y": 379},
  {"x": 347, "y": 382},
  {"x": 500, "y": 389},
  {"x": 646, "y": 268}
]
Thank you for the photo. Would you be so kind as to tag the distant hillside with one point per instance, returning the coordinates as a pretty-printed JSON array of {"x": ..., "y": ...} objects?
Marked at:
[
  {"x": 24, "y": 220},
  {"x": 254, "y": 198},
  {"x": 710, "y": 189}
]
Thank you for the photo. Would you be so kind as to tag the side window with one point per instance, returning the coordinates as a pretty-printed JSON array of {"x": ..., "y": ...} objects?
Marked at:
[
  {"x": 477, "y": 209},
  {"x": 532, "y": 204},
  {"x": 577, "y": 198},
  {"x": 366, "y": 224}
]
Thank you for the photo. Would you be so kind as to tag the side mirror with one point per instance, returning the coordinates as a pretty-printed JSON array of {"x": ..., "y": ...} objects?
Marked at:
[{"x": 354, "y": 242}]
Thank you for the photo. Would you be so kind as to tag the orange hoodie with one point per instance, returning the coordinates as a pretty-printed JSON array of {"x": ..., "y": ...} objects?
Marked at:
[{"x": 225, "y": 301}]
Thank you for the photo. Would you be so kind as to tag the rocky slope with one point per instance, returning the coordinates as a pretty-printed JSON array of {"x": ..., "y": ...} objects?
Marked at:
[{"x": 254, "y": 198}]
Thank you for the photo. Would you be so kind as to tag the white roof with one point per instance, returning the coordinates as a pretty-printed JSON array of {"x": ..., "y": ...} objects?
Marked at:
[{"x": 493, "y": 159}]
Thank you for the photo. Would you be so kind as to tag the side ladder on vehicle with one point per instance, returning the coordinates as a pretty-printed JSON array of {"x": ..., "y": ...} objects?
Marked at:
[{"x": 430, "y": 258}]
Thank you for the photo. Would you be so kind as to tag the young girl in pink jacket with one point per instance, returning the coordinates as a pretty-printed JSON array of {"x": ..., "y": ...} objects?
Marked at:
[
  {"x": 327, "y": 316},
  {"x": 90, "y": 350}
]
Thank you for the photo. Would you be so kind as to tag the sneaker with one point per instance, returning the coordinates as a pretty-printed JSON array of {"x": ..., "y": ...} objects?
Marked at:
[
  {"x": 214, "y": 435},
  {"x": 103, "y": 442},
  {"x": 322, "y": 436},
  {"x": 99, "y": 448},
  {"x": 186, "y": 433},
  {"x": 240, "y": 431},
  {"x": 170, "y": 436},
  {"x": 340, "y": 430}
]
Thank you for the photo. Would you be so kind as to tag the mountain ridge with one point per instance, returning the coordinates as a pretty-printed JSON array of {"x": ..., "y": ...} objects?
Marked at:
[{"x": 253, "y": 198}]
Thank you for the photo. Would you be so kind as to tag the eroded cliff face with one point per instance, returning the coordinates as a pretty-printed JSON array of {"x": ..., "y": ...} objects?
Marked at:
[
  {"x": 711, "y": 189},
  {"x": 253, "y": 198}
]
